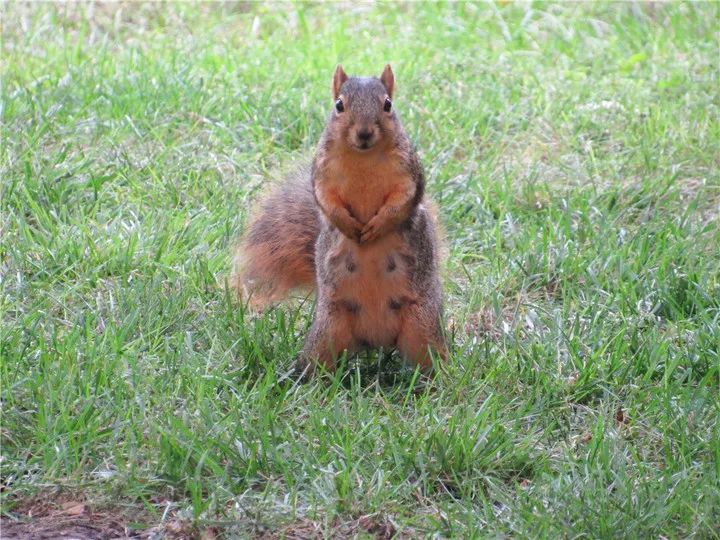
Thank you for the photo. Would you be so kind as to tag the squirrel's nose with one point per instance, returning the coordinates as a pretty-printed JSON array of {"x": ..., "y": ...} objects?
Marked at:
[{"x": 364, "y": 134}]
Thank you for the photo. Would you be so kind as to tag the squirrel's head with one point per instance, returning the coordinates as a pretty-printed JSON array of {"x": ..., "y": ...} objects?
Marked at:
[{"x": 363, "y": 115}]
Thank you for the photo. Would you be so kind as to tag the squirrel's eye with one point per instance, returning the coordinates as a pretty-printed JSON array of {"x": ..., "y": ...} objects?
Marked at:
[
  {"x": 388, "y": 105},
  {"x": 339, "y": 105}
]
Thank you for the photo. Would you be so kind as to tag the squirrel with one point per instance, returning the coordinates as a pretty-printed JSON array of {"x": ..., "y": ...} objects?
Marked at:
[{"x": 356, "y": 226}]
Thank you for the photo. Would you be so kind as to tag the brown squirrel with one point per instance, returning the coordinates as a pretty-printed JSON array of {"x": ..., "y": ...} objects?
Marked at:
[{"x": 358, "y": 227}]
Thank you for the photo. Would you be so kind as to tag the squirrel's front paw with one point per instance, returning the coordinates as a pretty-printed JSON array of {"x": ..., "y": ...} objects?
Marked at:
[
  {"x": 374, "y": 228},
  {"x": 350, "y": 227}
]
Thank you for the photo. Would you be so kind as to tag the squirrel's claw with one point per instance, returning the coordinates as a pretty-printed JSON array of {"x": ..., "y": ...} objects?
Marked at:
[
  {"x": 371, "y": 230},
  {"x": 350, "y": 227}
]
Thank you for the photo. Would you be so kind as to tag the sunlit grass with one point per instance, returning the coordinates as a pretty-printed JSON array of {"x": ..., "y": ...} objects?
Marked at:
[{"x": 573, "y": 150}]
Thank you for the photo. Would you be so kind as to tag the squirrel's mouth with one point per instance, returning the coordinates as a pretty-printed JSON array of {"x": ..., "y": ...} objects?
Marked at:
[
  {"x": 363, "y": 146},
  {"x": 363, "y": 140}
]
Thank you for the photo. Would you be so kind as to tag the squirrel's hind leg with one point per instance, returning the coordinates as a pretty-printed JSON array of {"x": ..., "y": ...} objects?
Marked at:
[
  {"x": 420, "y": 337},
  {"x": 326, "y": 341}
]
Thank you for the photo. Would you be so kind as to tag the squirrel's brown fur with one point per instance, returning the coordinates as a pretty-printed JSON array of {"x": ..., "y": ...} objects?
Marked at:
[
  {"x": 358, "y": 228},
  {"x": 277, "y": 252}
]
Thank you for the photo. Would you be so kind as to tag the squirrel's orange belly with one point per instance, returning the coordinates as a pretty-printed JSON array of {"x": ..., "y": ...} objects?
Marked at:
[{"x": 372, "y": 289}]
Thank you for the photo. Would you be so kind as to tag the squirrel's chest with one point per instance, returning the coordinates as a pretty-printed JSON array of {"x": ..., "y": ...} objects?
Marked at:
[{"x": 364, "y": 187}]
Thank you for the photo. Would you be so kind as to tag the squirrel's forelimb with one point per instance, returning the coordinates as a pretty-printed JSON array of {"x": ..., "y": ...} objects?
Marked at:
[
  {"x": 395, "y": 210},
  {"x": 337, "y": 212}
]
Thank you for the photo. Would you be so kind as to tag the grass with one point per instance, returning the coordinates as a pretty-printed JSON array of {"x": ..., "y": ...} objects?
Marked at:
[{"x": 574, "y": 153}]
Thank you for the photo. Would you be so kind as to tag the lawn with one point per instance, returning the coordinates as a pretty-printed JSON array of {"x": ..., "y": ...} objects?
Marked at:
[{"x": 573, "y": 150}]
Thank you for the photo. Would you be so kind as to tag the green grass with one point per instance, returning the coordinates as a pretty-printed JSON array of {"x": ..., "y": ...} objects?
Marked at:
[{"x": 574, "y": 153}]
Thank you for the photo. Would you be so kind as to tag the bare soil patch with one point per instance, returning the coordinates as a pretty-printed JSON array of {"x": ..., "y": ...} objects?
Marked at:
[{"x": 51, "y": 516}]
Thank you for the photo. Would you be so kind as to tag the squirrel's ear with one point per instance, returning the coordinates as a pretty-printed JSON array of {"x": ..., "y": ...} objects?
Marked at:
[
  {"x": 338, "y": 79},
  {"x": 388, "y": 80}
]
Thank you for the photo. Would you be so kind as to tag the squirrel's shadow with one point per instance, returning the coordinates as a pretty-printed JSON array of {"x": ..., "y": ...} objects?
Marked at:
[{"x": 385, "y": 370}]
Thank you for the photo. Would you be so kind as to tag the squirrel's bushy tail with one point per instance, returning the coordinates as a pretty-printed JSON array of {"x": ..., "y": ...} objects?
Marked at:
[{"x": 277, "y": 252}]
